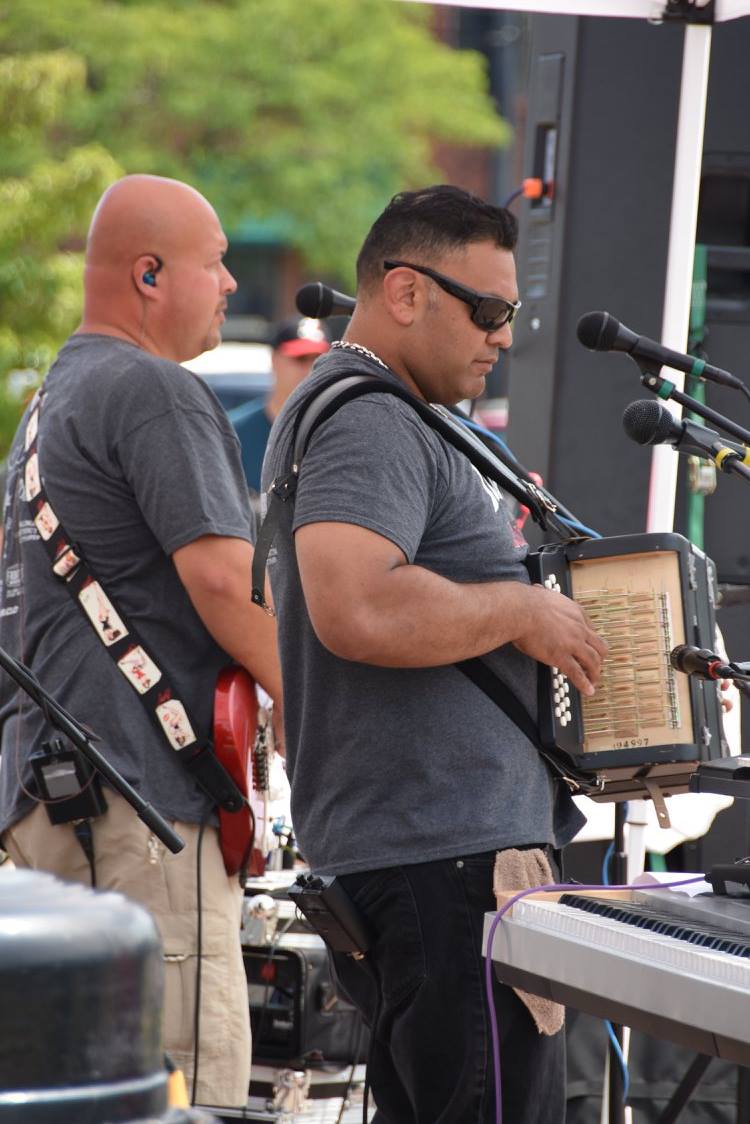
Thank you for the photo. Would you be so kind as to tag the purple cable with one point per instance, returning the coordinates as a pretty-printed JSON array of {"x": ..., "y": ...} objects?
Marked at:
[{"x": 561, "y": 887}]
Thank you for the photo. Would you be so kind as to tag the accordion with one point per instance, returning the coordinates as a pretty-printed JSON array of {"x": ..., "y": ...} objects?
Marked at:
[{"x": 648, "y": 727}]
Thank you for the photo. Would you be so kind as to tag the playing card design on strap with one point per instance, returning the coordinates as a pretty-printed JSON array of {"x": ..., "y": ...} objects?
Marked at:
[
  {"x": 65, "y": 561},
  {"x": 175, "y": 723},
  {"x": 46, "y": 522},
  {"x": 140, "y": 671},
  {"x": 31, "y": 477},
  {"x": 102, "y": 613},
  {"x": 32, "y": 426}
]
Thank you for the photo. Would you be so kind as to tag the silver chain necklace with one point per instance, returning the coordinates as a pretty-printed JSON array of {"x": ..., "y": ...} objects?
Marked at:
[{"x": 358, "y": 349}]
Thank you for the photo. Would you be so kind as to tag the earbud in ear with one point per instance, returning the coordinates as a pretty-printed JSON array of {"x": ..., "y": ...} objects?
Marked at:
[{"x": 149, "y": 277}]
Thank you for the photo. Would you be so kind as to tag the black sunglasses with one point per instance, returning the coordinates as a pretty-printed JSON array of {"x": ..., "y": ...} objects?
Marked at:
[{"x": 487, "y": 311}]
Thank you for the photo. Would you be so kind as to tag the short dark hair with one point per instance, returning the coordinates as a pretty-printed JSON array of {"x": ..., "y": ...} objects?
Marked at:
[{"x": 428, "y": 223}]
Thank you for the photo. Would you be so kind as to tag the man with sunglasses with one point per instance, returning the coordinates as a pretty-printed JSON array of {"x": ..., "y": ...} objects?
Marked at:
[{"x": 408, "y": 783}]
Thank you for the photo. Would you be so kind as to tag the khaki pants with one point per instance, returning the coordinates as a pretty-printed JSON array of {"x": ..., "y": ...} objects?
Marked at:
[{"x": 130, "y": 859}]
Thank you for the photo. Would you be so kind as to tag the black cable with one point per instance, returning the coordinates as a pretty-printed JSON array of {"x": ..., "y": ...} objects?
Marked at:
[
  {"x": 273, "y": 945},
  {"x": 84, "y": 835},
  {"x": 373, "y": 1033},
  {"x": 512, "y": 197},
  {"x": 199, "y": 958},
  {"x": 350, "y": 1080}
]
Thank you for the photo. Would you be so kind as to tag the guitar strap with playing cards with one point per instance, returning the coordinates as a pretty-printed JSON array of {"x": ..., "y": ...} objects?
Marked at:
[{"x": 118, "y": 636}]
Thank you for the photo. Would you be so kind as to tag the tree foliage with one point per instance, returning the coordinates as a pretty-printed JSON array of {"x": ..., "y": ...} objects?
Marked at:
[
  {"x": 304, "y": 112},
  {"x": 312, "y": 110},
  {"x": 45, "y": 203}
]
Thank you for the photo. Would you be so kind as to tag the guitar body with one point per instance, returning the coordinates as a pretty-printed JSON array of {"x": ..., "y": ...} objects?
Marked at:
[{"x": 235, "y": 730}]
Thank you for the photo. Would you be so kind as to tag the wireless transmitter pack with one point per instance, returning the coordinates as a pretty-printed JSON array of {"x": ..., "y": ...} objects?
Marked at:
[
  {"x": 67, "y": 783},
  {"x": 331, "y": 912}
]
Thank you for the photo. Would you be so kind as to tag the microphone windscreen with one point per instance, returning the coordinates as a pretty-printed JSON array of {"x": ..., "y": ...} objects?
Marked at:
[
  {"x": 693, "y": 661},
  {"x": 597, "y": 331},
  {"x": 680, "y": 658},
  {"x": 314, "y": 300},
  {"x": 647, "y": 422}
]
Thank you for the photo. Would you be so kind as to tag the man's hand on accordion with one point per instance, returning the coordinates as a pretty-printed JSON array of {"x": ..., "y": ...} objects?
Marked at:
[{"x": 558, "y": 632}]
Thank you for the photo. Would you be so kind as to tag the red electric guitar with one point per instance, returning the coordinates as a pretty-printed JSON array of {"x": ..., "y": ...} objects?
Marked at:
[{"x": 235, "y": 736}]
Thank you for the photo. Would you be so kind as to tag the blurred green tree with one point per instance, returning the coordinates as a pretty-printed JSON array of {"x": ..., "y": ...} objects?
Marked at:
[
  {"x": 305, "y": 113},
  {"x": 305, "y": 109},
  {"x": 46, "y": 197}
]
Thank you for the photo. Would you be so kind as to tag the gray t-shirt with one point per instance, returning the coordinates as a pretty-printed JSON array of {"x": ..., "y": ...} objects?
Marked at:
[
  {"x": 394, "y": 766},
  {"x": 138, "y": 459}
]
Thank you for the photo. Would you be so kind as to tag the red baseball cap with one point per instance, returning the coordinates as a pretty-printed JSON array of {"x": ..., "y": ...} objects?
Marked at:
[{"x": 300, "y": 336}]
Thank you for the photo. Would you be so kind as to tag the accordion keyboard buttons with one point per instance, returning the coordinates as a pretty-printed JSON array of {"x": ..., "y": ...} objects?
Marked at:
[
  {"x": 561, "y": 696},
  {"x": 560, "y": 684}
]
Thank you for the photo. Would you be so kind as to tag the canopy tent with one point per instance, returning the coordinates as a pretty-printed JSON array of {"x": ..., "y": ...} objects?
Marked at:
[
  {"x": 632, "y": 9},
  {"x": 686, "y": 180}
]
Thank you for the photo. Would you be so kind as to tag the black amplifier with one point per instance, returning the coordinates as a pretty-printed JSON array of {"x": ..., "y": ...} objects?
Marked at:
[{"x": 296, "y": 1012}]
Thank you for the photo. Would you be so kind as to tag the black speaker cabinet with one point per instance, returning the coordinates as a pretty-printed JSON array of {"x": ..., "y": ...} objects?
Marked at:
[
  {"x": 602, "y": 111},
  {"x": 603, "y": 100},
  {"x": 295, "y": 1011}
]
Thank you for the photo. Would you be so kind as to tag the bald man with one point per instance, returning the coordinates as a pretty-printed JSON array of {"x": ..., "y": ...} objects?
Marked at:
[{"x": 141, "y": 468}]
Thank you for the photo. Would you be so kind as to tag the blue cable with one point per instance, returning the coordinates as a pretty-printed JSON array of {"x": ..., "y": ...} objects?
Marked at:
[
  {"x": 471, "y": 424},
  {"x": 620, "y": 1057},
  {"x": 574, "y": 524},
  {"x": 605, "y": 863}
]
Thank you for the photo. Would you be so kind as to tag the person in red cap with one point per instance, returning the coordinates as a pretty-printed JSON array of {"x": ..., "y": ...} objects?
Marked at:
[{"x": 296, "y": 344}]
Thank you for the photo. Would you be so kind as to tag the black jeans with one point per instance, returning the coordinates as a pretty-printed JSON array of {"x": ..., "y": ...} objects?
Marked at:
[{"x": 431, "y": 1058}]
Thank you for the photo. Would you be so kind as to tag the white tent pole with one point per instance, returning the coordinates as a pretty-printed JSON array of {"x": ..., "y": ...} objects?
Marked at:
[
  {"x": 677, "y": 293},
  {"x": 681, "y": 251}
]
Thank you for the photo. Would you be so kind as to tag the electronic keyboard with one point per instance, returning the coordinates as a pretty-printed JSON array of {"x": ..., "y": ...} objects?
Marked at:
[{"x": 673, "y": 966}]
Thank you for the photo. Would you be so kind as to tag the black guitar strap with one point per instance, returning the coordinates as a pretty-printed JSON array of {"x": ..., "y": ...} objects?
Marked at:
[
  {"x": 118, "y": 636},
  {"x": 334, "y": 394},
  {"x": 485, "y": 679}
]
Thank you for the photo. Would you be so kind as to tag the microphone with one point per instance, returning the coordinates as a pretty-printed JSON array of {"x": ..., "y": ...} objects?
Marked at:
[
  {"x": 702, "y": 662},
  {"x": 317, "y": 301},
  {"x": 649, "y": 422},
  {"x": 599, "y": 331}
]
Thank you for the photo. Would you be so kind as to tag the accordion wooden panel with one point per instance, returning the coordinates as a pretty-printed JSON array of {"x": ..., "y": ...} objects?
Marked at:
[
  {"x": 641, "y": 700},
  {"x": 645, "y": 594}
]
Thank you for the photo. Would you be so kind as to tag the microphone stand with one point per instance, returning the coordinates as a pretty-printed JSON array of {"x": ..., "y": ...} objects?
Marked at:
[
  {"x": 725, "y": 457},
  {"x": 81, "y": 738},
  {"x": 666, "y": 389}
]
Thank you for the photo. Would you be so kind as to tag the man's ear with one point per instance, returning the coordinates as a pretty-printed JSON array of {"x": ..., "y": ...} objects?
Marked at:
[
  {"x": 402, "y": 294},
  {"x": 145, "y": 269}
]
